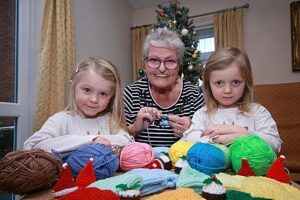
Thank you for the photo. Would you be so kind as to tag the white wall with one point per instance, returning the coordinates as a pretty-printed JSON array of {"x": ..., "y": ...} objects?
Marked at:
[
  {"x": 267, "y": 36},
  {"x": 102, "y": 28}
]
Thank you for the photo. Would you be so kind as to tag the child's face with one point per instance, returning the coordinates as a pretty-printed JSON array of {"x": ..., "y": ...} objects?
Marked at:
[
  {"x": 227, "y": 86},
  {"x": 92, "y": 94}
]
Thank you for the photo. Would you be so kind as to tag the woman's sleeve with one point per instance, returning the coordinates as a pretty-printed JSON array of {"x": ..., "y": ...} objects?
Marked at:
[{"x": 266, "y": 128}]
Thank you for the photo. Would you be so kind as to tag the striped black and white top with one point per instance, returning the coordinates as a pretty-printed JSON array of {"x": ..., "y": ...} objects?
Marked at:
[{"x": 137, "y": 95}]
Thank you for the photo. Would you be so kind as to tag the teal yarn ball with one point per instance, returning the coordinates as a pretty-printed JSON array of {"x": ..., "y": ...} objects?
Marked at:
[
  {"x": 206, "y": 158},
  {"x": 225, "y": 149},
  {"x": 259, "y": 154}
]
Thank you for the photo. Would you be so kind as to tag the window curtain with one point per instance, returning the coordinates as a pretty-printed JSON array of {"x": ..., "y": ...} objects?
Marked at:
[
  {"x": 138, "y": 36},
  {"x": 57, "y": 56},
  {"x": 228, "y": 28}
]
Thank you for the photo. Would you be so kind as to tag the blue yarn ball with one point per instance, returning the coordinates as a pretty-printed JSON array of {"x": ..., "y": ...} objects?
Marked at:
[
  {"x": 206, "y": 158},
  {"x": 105, "y": 161}
]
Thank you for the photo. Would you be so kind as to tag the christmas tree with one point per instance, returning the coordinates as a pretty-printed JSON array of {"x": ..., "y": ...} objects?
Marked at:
[{"x": 176, "y": 18}]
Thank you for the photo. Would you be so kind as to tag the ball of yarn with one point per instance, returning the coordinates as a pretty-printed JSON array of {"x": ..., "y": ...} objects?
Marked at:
[
  {"x": 136, "y": 155},
  {"x": 225, "y": 150},
  {"x": 259, "y": 154},
  {"x": 28, "y": 171},
  {"x": 179, "y": 149},
  {"x": 206, "y": 158},
  {"x": 105, "y": 161}
]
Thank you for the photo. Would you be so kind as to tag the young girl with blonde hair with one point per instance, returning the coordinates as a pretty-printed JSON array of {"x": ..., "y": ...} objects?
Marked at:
[
  {"x": 230, "y": 111},
  {"x": 94, "y": 114}
]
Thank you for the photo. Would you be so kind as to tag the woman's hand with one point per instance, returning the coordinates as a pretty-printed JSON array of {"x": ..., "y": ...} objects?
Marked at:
[
  {"x": 179, "y": 124},
  {"x": 144, "y": 118},
  {"x": 101, "y": 140},
  {"x": 224, "y": 133}
]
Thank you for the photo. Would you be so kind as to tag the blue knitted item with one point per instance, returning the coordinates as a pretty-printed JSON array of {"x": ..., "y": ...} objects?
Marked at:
[
  {"x": 112, "y": 182},
  {"x": 155, "y": 180}
]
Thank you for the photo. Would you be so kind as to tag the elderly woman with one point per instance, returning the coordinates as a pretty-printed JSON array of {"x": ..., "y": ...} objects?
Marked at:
[{"x": 159, "y": 107}]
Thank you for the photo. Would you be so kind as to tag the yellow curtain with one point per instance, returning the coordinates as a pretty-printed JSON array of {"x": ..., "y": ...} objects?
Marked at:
[
  {"x": 57, "y": 57},
  {"x": 228, "y": 28},
  {"x": 138, "y": 36}
]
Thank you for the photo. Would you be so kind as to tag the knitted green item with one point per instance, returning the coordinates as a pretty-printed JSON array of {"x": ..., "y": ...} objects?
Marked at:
[
  {"x": 191, "y": 178},
  {"x": 237, "y": 195},
  {"x": 117, "y": 183}
]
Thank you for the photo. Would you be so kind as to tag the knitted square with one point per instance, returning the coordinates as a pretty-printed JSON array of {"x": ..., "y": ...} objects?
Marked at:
[
  {"x": 155, "y": 180},
  {"x": 191, "y": 178}
]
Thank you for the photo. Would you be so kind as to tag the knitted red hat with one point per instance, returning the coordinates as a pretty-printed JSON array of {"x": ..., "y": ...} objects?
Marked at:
[
  {"x": 86, "y": 176},
  {"x": 245, "y": 169},
  {"x": 155, "y": 164},
  {"x": 91, "y": 194},
  {"x": 277, "y": 171},
  {"x": 66, "y": 183}
]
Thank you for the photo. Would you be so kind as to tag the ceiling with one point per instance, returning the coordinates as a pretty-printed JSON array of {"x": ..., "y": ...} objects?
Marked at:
[{"x": 144, "y": 3}]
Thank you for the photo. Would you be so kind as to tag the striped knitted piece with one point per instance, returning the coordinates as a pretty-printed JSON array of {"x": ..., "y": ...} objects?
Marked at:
[
  {"x": 191, "y": 178},
  {"x": 178, "y": 194},
  {"x": 155, "y": 180},
  {"x": 230, "y": 182},
  {"x": 112, "y": 182},
  {"x": 269, "y": 188}
]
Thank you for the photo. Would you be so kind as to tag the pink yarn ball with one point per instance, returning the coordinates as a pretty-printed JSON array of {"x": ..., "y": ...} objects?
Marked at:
[{"x": 136, "y": 155}]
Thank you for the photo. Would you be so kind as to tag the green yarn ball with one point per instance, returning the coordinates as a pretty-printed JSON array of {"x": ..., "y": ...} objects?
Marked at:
[{"x": 259, "y": 154}]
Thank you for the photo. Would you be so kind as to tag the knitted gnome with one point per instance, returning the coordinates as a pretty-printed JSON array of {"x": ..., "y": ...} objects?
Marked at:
[
  {"x": 245, "y": 169},
  {"x": 277, "y": 171}
]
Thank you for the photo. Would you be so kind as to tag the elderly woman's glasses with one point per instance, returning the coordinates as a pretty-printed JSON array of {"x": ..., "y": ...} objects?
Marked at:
[{"x": 169, "y": 63}]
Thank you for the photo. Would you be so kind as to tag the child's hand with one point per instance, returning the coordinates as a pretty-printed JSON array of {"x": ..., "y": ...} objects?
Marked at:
[
  {"x": 224, "y": 133},
  {"x": 179, "y": 124},
  {"x": 101, "y": 140}
]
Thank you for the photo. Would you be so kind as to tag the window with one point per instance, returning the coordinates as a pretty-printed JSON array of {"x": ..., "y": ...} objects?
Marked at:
[{"x": 206, "y": 44}]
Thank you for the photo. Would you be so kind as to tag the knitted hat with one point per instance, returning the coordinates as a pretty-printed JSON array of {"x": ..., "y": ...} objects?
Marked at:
[
  {"x": 91, "y": 194},
  {"x": 86, "y": 176},
  {"x": 277, "y": 172},
  {"x": 66, "y": 183},
  {"x": 245, "y": 169}
]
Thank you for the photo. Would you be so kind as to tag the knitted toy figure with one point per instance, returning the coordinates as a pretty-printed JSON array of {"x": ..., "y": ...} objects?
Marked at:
[{"x": 277, "y": 171}]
